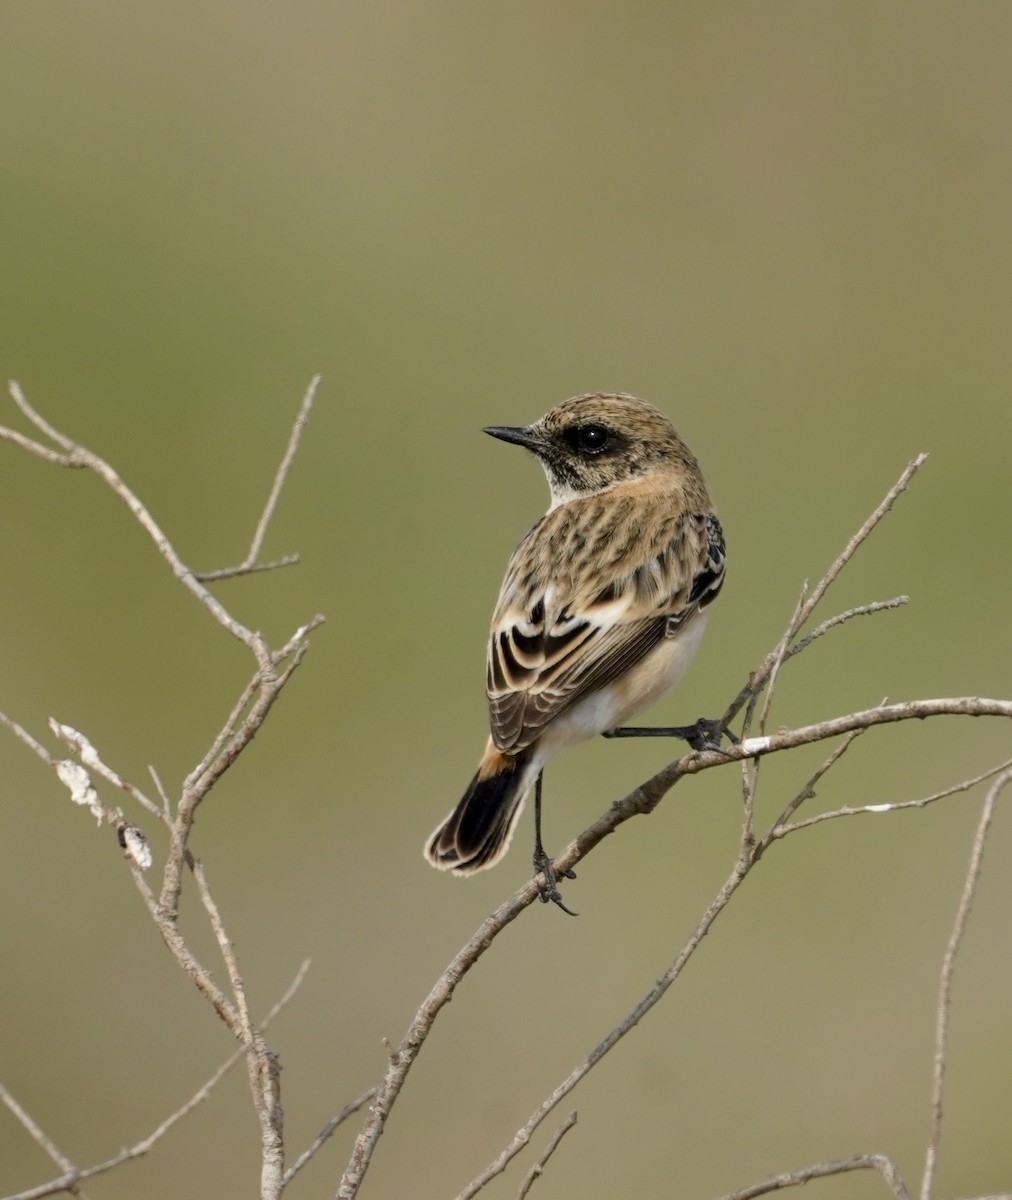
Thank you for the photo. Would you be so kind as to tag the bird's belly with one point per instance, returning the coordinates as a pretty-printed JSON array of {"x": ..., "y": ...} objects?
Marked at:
[{"x": 631, "y": 693}]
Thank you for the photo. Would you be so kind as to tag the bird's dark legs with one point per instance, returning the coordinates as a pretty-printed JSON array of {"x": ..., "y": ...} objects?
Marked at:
[
  {"x": 706, "y": 734},
  {"x": 543, "y": 862}
]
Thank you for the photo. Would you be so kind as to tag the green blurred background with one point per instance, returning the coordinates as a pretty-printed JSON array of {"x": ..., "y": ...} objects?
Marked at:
[{"x": 786, "y": 224}]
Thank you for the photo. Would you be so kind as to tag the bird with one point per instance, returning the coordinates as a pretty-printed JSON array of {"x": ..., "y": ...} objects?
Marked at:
[{"x": 602, "y": 608}]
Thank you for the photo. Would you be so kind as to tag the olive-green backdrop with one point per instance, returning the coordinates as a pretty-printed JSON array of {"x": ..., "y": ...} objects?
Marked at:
[{"x": 788, "y": 224}]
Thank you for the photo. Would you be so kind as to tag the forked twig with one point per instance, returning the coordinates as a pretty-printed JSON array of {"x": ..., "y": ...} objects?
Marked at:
[
  {"x": 334, "y": 1122},
  {"x": 538, "y": 1169},
  {"x": 77, "y": 456},
  {"x": 858, "y": 1162},
  {"x": 759, "y": 676},
  {"x": 250, "y": 563}
]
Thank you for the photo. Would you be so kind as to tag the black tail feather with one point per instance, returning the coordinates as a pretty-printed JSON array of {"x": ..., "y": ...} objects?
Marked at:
[{"x": 477, "y": 833}]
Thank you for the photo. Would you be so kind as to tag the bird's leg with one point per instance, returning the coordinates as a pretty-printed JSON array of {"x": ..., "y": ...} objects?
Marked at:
[
  {"x": 543, "y": 862},
  {"x": 706, "y": 734}
]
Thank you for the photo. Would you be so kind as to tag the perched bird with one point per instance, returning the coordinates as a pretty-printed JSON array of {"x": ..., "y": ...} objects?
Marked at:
[{"x": 603, "y": 606}]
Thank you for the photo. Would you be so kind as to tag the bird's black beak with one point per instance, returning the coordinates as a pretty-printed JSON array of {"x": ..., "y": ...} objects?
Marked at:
[{"x": 519, "y": 435}]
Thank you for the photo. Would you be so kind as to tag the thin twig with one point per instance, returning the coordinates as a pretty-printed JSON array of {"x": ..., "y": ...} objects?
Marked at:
[
  {"x": 862, "y": 610},
  {"x": 858, "y": 1162},
  {"x": 780, "y": 831},
  {"x": 195, "y": 789},
  {"x": 247, "y": 568},
  {"x": 38, "y": 1134},
  {"x": 751, "y": 769},
  {"x": 779, "y": 655},
  {"x": 760, "y": 675},
  {"x": 250, "y": 563},
  {"x": 91, "y": 759},
  {"x": 945, "y": 984},
  {"x": 538, "y": 1169},
  {"x": 77, "y": 455},
  {"x": 334, "y": 1122},
  {"x": 23, "y": 735},
  {"x": 262, "y": 1065},
  {"x": 227, "y": 731},
  {"x": 163, "y": 795},
  {"x": 807, "y": 792}
]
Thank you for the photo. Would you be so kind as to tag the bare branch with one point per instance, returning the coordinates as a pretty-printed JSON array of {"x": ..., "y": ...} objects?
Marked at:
[
  {"x": 24, "y": 736},
  {"x": 231, "y": 964},
  {"x": 751, "y": 768},
  {"x": 38, "y": 1134},
  {"x": 38, "y": 421},
  {"x": 859, "y": 1162},
  {"x": 90, "y": 758},
  {"x": 640, "y": 800},
  {"x": 163, "y": 795},
  {"x": 539, "y": 1167},
  {"x": 262, "y": 1065},
  {"x": 779, "y": 655},
  {"x": 247, "y": 568},
  {"x": 862, "y": 610},
  {"x": 808, "y": 791},
  {"x": 250, "y": 563},
  {"x": 780, "y": 831},
  {"x": 761, "y": 674},
  {"x": 336, "y": 1121},
  {"x": 945, "y": 985},
  {"x": 184, "y": 956},
  {"x": 270, "y": 686},
  {"x": 69, "y": 1180},
  {"x": 523, "y": 1134},
  {"x": 79, "y": 456}
]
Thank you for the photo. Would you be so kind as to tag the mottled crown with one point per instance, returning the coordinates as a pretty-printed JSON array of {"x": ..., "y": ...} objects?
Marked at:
[{"x": 590, "y": 443}]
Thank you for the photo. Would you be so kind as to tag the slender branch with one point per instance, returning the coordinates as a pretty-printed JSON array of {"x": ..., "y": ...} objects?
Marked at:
[
  {"x": 24, "y": 736},
  {"x": 90, "y": 758},
  {"x": 862, "y": 610},
  {"x": 235, "y": 979},
  {"x": 334, "y": 1122},
  {"x": 539, "y": 1167},
  {"x": 751, "y": 769},
  {"x": 945, "y": 985},
  {"x": 77, "y": 455},
  {"x": 779, "y": 656},
  {"x": 807, "y": 792},
  {"x": 250, "y": 563},
  {"x": 761, "y": 674},
  {"x": 226, "y": 732},
  {"x": 859, "y": 1162},
  {"x": 780, "y": 831},
  {"x": 270, "y": 687},
  {"x": 187, "y": 960},
  {"x": 261, "y": 1063},
  {"x": 38, "y": 1134}
]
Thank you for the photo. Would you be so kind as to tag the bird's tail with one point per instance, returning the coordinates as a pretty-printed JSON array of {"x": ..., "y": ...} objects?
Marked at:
[{"x": 477, "y": 833}]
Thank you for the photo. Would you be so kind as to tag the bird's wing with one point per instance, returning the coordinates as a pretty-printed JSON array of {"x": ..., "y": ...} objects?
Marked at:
[{"x": 585, "y": 599}]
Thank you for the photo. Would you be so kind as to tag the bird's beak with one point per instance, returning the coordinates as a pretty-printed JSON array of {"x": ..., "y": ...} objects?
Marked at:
[{"x": 519, "y": 435}]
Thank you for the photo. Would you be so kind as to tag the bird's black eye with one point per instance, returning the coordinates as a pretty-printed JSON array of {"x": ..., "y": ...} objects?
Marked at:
[{"x": 591, "y": 439}]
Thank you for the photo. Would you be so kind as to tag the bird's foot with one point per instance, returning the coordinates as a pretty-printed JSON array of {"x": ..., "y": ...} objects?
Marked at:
[
  {"x": 705, "y": 734},
  {"x": 548, "y": 885}
]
